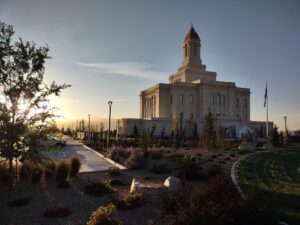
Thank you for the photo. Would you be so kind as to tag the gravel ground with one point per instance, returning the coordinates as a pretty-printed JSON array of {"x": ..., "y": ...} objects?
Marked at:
[{"x": 80, "y": 204}]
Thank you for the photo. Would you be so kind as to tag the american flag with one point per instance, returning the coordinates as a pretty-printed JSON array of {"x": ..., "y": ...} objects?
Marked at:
[{"x": 266, "y": 95}]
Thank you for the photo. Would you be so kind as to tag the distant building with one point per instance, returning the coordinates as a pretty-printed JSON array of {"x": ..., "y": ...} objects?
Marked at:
[{"x": 191, "y": 93}]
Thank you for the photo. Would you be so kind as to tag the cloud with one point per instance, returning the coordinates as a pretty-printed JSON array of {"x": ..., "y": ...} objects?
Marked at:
[{"x": 128, "y": 69}]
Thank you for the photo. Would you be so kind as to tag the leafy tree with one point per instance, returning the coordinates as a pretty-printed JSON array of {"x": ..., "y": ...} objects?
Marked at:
[
  {"x": 275, "y": 138},
  {"x": 195, "y": 136},
  {"x": 151, "y": 135},
  {"x": 144, "y": 143},
  {"x": 135, "y": 131},
  {"x": 24, "y": 96},
  {"x": 175, "y": 133},
  {"x": 209, "y": 136}
]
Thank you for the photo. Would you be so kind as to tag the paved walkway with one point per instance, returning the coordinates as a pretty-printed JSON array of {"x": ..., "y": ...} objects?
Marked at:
[{"x": 90, "y": 161}]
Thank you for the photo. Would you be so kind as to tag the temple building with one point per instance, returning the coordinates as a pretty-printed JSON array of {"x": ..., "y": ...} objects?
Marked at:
[{"x": 191, "y": 93}]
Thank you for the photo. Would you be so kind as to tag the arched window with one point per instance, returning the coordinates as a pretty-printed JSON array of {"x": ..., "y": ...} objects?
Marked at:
[
  {"x": 195, "y": 49},
  {"x": 185, "y": 50},
  {"x": 181, "y": 98}
]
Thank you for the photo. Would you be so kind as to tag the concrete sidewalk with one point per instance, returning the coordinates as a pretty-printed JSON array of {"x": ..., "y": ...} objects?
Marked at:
[{"x": 90, "y": 160}]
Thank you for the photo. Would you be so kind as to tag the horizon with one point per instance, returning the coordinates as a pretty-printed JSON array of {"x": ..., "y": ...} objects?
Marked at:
[{"x": 108, "y": 51}]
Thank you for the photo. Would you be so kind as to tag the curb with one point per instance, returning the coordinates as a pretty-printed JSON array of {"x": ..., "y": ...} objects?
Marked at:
[
  {"x": 121, "y": 167},
  {"x": 233, "y": 176}
]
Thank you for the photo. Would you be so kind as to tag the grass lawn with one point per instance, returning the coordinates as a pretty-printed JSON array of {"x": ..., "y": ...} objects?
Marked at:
[{"x": 275, "y": 177}]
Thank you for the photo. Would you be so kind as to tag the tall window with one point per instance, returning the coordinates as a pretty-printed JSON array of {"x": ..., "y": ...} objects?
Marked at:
[
  {"x": 245, "y": 103},
  {"x": 213, "y": 99},
  {"x": 181, "y": 98},
  {"x": 195, "y": 49},
  {"x": 185, "y": 50},
  {"x": 191, "y": 99},
  {"x": 192, "y": 115},
  {"x": 223, "y": 100},
  {"x": 237, "y": 103},
  {"x": 171, "y": 99},
  {"x": 218, "y": 99}
]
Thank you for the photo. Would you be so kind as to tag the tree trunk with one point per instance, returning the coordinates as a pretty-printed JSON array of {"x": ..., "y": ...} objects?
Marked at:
[{"x": 11, "y": 174}]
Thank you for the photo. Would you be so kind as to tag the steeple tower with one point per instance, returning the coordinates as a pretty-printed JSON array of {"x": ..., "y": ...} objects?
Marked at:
[{"x": 191, "y": 49}]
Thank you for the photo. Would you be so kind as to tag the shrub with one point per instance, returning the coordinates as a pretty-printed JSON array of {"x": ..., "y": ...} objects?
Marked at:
[
  {"x": 135, "y": 161},
  {"x": 214, "y": 156},
  {"x": 114, "y": 171},
  {"x": 75, "y": 165},
  {"x": 160, "y": 168},
  {"x": 62, "y": 172},
  {"x": 222, "y": 162},
  {"x": 4, "y": 173},
  {"x": 215, "y": 170},
  {"x": 25, "y": 170},
  {"x": 103, "y": 186},
  {"x": 58, "y": 210},
  {"x": 131, "y": 201},
  {"x": 49, "y": 168},
  {"x": 19, "y": 201},
  {"x": 118, "y": 154},
  {"x": 155, "y": 153},
  {"x": 188, "y": 167},
  {"x": 37, "y": 174},
  {"x": 216, "y": 203},
  {"x": 118, "y": 182},
  {"x": 104, "y": 216}
]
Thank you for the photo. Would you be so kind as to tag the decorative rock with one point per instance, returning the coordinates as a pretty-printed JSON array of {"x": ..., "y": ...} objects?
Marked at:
[
  {"x": 172, "y": 183},
  {"x": 135, "y": 185}
]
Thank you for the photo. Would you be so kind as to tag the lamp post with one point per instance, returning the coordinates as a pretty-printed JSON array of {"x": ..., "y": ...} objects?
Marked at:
[
  {"x": 109, "y": 117},
  {"x": 285, "y": 132},
  {"x": 89, "y": 115}
]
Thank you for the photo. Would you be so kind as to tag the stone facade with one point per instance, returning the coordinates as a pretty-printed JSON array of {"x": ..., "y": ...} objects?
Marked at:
[{"x": 191, "y": 93}]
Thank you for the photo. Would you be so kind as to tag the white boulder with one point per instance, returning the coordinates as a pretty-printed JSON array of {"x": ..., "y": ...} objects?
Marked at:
[
  {"x": 172, "y": 183},
  {"x": 135, "y": 186}
]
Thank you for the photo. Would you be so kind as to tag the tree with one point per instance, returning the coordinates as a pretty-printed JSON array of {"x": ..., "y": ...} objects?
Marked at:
[
  {"x": 195, "y": 137},
  {"x": 23, "y": 94},
  {"x": 135, "y": 132},
  {"x": 144, "y": 142},
  {"x": 209, "y": 136},
  {"x": 176, "y": 133},
  {"x": 275, "y": 138}
]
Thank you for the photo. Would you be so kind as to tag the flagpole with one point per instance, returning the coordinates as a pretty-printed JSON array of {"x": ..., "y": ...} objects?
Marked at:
[{"x": 267, "y": 102}]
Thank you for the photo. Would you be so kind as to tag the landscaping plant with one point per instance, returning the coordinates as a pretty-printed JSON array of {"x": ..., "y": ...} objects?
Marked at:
[
  {"x": 104, "y": 215},
  {"x": 19, "y": 201},
  {"x": 25, "y": 170},
  {"x": 114, "y": 171},
  {"x": 62, "y": 172},
  {"x": 49, "y": 168},
  {"x": 135, "y": 161},
  {"x": 99, "y": 188},
  {"x": 75, "y": 165},
  {"x": 37, "y": 174},
  {"x": 4, "y": 173},
  {"x": 58, "y": 210},
  {"x": 131, "y": 201}
]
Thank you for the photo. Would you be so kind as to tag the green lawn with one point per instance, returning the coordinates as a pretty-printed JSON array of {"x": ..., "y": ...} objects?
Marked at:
[{"x": 275, "y": 177}]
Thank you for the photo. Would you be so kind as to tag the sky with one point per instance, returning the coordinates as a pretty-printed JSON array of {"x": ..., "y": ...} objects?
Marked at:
[{"x": 113, "y": 49}]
